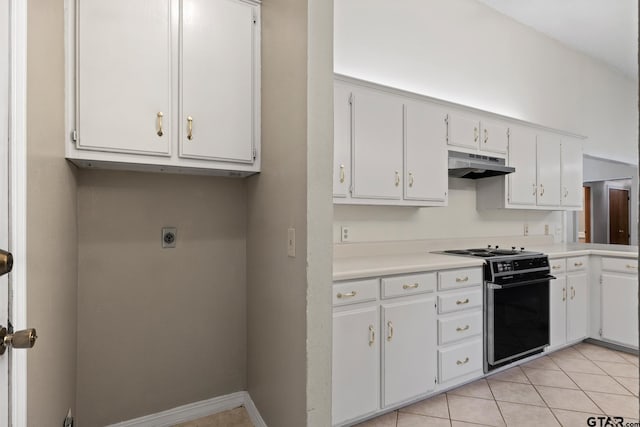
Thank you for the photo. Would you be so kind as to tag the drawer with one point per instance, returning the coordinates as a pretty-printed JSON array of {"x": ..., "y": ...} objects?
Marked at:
[
  {"x": 577, "y": 263},
  {"x": 459, "y": 360},
  {"x": 451, "y": 279},
  {"x": 355, "y": 291},
  {"x": 457, "y": 301},
  {"x": 459, "y": 327},
  {"x": 621, "y": 265},
  {"x": 408, "y": 284},
  {"x": 558, "y": 265}
]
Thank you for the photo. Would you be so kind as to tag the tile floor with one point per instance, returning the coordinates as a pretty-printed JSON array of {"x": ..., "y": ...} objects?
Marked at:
[{"x": 561, "y": 389}]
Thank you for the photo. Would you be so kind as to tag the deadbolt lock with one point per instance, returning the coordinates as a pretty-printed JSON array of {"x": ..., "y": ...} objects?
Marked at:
[
  {"x": 20, "y": 339},
  {"x": 6, "y": 262}
]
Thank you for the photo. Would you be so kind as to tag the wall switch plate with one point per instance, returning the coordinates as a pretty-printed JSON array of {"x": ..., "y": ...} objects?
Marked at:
[
  {"x": 169, "y": 237},
  {"x": 291, "y": 242},
  {"x": 344, "y": 234}
]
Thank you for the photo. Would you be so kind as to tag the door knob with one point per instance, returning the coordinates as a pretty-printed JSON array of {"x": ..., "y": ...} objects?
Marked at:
[
  {"x": 20, "y": 339},
  {"x": 6, "y": 262}
]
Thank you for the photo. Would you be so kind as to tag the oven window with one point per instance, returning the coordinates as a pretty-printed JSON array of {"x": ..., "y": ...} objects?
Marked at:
[{"x": 520, "y": 320}]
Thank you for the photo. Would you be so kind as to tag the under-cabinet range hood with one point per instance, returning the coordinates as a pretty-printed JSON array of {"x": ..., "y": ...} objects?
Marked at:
[{"x": 474, "y": 166}]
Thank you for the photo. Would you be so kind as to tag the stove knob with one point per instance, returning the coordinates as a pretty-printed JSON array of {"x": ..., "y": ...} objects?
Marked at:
[
  {"x": 497, "y": 246},
  {"x": 513, "y": 248},
  {"x": 522, "y": 249},
  {"x": 488, "y": 246}
]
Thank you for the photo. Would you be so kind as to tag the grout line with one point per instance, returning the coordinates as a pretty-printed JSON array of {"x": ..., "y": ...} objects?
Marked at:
[
  {"x": 496, "y": 402},
  {"x": 446, "y": 399},
  {"x": 397, "y": 412}
]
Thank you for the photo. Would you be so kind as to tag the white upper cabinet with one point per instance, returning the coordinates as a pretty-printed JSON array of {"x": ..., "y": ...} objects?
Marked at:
[
  {"x": 463, "y": 130},
  {"x": 426, "y": 176},
  {"x": 341, "y": 139},
  {"x": 548, "y": 163},
  {"x": 167, "y": 85},
  {"x": 124, "y": 101},
  {"x": 522, "y": 156},
  {"x": 218, "y": 82},
  {"x": 494, "y": 137},
  {"x": 377, "y": 145},
  {"x": 571, "y": 180}
]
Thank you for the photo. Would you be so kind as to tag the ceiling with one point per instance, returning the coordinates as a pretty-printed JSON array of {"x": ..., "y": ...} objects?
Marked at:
[{"x": 603, "y": 29}]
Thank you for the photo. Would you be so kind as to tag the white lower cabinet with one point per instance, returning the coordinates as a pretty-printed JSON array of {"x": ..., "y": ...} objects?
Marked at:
[
  {"x": 619, "y": 301},
  {"x": 459, "y": 360},
  {"x": 356, "y": 363},
  {"x": 568, "y": 301},
  {"x": 408, "y": 352}
]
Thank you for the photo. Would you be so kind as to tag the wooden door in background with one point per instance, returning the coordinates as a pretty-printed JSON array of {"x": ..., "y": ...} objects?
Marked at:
[
  {"x": 618, "y": 216},
  {"x": 587, "y": 215}
]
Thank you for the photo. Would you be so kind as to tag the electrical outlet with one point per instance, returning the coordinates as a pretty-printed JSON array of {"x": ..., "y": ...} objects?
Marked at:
[
  {"x": 526, "y": 229},
  {"x": 344, "y": 234},
  {"x": 291, "y": 242},
  {"x": 546, "y": 229},
  {"x": 169, "y": 237}
]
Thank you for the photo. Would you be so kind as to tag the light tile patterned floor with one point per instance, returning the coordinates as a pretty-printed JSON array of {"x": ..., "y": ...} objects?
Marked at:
[{"x": 563, "y": 388}]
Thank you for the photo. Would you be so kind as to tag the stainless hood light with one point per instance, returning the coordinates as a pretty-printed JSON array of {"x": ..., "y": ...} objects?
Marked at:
[{"x": 474, "y": 166}]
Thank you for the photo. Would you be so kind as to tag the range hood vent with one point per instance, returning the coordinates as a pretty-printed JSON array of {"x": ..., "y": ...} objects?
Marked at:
[{"x": 475, "y": 166}]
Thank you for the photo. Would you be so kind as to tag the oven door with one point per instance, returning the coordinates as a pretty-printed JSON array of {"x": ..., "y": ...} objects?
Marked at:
[{"x": 517, "y": 319}]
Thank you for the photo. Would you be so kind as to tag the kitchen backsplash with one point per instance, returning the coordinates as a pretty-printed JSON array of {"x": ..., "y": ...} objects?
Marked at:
[{"x": 460, "y": 219}]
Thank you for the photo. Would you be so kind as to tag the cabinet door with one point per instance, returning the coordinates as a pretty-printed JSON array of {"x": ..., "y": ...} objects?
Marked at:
[
  {"x": 409, "y": 351},
  {"x": 522, "y": 156},
  {"x": 218, "y": 80},
  {"x": 558, "y": 311},
  {"x": 571, "y": 179},
  {"x": 356, "y": 363},
  {"x": 123, "y": 77},
  {"x": 620, "y": 308},
  {"x": 425, "y": 154},
  {"x": 377, "y": 145},
  {"x": 463, "y": 130},
  {"x": 548, "y": 176},
  {"x": 577, "y": 306},
  {"x": 494, "y": 137},
  {"x": 341, "y": 139}
]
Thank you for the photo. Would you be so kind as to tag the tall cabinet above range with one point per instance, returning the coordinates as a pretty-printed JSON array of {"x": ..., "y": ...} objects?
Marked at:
[{"x": 166, "y": 85}]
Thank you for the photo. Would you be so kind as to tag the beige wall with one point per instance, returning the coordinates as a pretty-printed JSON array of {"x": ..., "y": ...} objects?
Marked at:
[
  {"x": 277, "y": 200},
  {"x": 51, "y": 223},
  {"x": 158, "y": 328}
]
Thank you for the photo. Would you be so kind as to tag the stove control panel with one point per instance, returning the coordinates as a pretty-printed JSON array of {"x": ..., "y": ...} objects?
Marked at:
[{"x": 506, "y": 266}]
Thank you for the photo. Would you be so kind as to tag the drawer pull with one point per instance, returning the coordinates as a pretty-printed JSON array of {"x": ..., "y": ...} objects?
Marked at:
[
  {"x": 341, "y": 174},
  {"x": 631, "y": 266},
  {"x": 397, "y": 179},
  {"x": 372, "y": 335},
  {"x": 159, "y": 117},
  {"x": 459, "y": 329},
  {"x": 564, "y": 294},
  {"x": 411, "y": 286},
  {"x": 462, "y": 362},
  {"x": 556, "y": 267},
  {"x": 464, "y": 301},
  {"x": 390, "y": 335},
  {"x": 347, "y": 294},
  {"x": 577, "y": 264},
  {"x": 462, "y": 279},
  {"x": 190, "y": 128},
  {"x": 573, "y": 292}
]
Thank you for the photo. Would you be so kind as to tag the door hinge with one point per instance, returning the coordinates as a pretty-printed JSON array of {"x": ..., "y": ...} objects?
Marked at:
[
  {"x": 255, "y": 153},
  {"x": 74, "y": 135}
]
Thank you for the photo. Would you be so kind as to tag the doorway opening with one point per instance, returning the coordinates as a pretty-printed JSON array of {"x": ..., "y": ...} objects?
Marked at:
[{"x": 607, "y": 212}]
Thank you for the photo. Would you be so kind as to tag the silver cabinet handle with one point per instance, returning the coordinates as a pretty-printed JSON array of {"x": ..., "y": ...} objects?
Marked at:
[
  {"x": 410, "y": 179},
  {"x": 347, "y": 294},
  {"x": 465, "y": 301},
  {"x": 397, "y": 178},
  {"x": 577, "y": 264},
  {"x": 190, "y": 128},
  {"x": 556, "y": 267},
  {"x": 411, "y": 286},
  {"x": 341, "y": 174},
  {"x": 564, "y": 294},
  {"x": 475, "y": 134},
  {"x": 372, "y": 335},
  {"x": 462, "y": 279},
  {"x": 535, "y": 189},
  {"x": 462, "y": 362},
  {"x": 390, "y": 335},
  {"x": 566, "y": 192},
  {"x": 459, "y": 329},
  {"x": 541, "y": 190},
  {"x": 632, "y": 266},
  {"x": 486, "y": 136},
  {"x": 159, "y": 117},
  {"x": 573, "y": 292}
]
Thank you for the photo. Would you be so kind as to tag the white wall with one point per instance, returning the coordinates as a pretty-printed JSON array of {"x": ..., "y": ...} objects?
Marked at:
[{"x": 465, "y": 52}]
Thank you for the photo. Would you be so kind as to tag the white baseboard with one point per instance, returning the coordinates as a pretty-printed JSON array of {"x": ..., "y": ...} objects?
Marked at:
[{"x": 196, "y": 410}]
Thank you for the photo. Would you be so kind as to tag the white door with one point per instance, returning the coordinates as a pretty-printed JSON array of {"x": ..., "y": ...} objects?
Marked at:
[
  {"x": 124, "y": 76},
  {"x": 4, "y": 199},
  {"x": 341, "y": 139},
  {"x": 620, "y": 309},
  {"x": 377, "y": 145},
  {"x": 548, "y": 162},
  {"x": 218, "y": 80},
  {"x": 463, "y": 130},
  {"x": 571, "y": 162},
  {"x": 558, "y": 311},
  {"x": 522, "y": 156},
  {"x": 356, "y": 363},
  {"x": 425, "y": 154},
  {"x": 409, "y": 350},
  {"x": 494, "y": 137},
  {"x": 577, "y": 306}
]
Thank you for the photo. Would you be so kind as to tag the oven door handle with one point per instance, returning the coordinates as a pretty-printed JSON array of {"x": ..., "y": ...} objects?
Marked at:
[{"x": 523, "y": 283}]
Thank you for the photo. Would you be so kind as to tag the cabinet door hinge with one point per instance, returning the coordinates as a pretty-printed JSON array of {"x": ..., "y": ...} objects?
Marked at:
[{"x": 74, "y": 135}]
